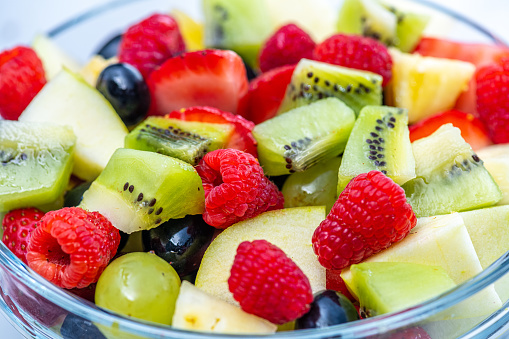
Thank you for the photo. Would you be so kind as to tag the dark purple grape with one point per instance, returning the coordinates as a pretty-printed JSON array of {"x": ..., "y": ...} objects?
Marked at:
[
  {"x": 110, "y": 48},
  {"x": 327, "y": 309},
  {"x": 181, "y": 242},
  {"x": 76, "y": 327},
  {"x": 124, "y": 87}
]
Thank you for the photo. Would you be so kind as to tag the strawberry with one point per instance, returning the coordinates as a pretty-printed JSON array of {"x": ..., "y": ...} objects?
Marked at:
[
  {"x": 357, "y": 52},
  {"x": 370, "y": 215},
  {"x": 18, "y": 226},
  {"x": 286, "y": 46},
  {"x": 205, "y": 78},
  {"x": 149, "y": 43},
  {"x": 493, "y": 99},
  {"x": 265, "y": 94},
  {"x": 477, "y": 54},
  {"x": 21, "y": 78},
  {"x": 242, "y": 138},
  {"x": 472, "y": 129}
]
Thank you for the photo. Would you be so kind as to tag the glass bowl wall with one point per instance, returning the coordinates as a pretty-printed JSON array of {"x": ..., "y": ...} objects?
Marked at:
[{"x": 37, "y": 308}]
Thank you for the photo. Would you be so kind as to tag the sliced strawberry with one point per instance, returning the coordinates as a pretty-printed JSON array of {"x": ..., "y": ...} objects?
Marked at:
[
  {"x": 242, "y": 139},
  {"x": 265, "y": 94},
  {"x": 472, "y": 129},
  {"x": 477, "y": 54},
  {"x": 204, "y": 78}
]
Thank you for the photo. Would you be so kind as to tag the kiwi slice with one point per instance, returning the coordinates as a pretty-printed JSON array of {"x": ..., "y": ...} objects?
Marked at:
[
  {"x": 384, "y": 23},
  {"x": 450, "y": 176},
  {"x": 36, "y": 163},
  {"x": 300, "y": 138},
  {"x": 385, "y": 287},
  {"x": 239, "y": 25},
  {"x": 139, "y": 190},
  {"x": 379, "y": 141},
  {"x": 313, "y": 80},
  {"x": 184, "y": 140}
]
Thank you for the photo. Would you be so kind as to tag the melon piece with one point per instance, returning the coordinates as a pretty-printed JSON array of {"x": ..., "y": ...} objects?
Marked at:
[
  {"x": 196, "y": 310},
  {"x": 290, "y": 229},
  {"x": 440, "y": 241},
  {"x": 386, "y": 287},
  {"x": 427, "y": 85},
  {"x": 496, "y": 161},
  {"x": 53, "y": 58},
  {"x": 68, "y": 100},
  {"x": 450, "y": 176},
  {"x": 36, "y": 163},
  {"x": 489, "y": 231}
]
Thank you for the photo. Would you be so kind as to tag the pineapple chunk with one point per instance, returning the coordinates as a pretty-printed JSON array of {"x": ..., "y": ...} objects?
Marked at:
[
  {"x": 94, "y": 67},
  {"x": 195, "y": 310},
  {"x": 192, "y": 31},
  {"x": 426, "y": 85}
]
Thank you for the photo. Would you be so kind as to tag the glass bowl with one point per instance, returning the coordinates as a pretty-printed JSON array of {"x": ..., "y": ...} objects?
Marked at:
[{"x": 37, "y": 308}]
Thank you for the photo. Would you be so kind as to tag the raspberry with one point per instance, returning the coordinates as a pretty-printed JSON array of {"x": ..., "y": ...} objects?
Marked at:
[
  {"x": 493, "y": 99},
  {"x": 235, "y": 188},
  {"x": 18, "y": 226},
  {"x": 268, "y": 284},
  {"x": 147, "y": 44},
  {"x": 21, "y": 78},
  {"x": 370, "y": 215},
  {"x": 286, "y": 46},
  {"x": 357, "y": 52},
  {"x": 71, "y": 247},
  {"x": 333, "y": 281}
]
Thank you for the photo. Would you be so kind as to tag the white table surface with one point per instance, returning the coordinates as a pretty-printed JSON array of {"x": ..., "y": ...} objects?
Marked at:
[{"x": 19, "y": 19}]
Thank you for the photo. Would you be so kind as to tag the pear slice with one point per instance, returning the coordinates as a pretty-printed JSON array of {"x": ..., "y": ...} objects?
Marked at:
[
  {"x": 440, "y": 241},
  {"x": 68, "y": 100},
  {"x": 53, "y": 58},
  {"x": 386, "y": 287},
  {"x": 195, "y": 310},
  {"x": 290, "y": 229}
]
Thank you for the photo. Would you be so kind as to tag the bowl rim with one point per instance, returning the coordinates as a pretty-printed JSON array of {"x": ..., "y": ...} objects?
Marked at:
[{"x": 366, "y": 327}]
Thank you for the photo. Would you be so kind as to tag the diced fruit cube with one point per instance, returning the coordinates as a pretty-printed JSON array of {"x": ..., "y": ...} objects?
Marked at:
[
  {"x": 496, "y": 161},
  {"x": 68, "y": 100}
]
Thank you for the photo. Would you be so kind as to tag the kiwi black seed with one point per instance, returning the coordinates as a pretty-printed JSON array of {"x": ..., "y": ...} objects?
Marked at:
[
  {"x": 312, "y": 81},
  {"x": 187, "y": 141}
]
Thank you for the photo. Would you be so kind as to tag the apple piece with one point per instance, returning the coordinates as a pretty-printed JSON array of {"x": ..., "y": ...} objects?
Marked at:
[
  {"x": 196, "y": 310},
  {"x": 440, "y": 241},
  {"x": 489, "y": 231},
  {"x": 290, "y": 229},
  {"x": 427, "y": 85},
  {"x": 386, "y": 287},
  {"x": 68, "y": 100},
  {"x": 53, "y": 57}
]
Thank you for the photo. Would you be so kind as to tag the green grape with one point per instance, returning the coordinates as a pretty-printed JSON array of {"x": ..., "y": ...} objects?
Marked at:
[
  {"x": 313, "y": 187},
  {"x": 139, "y": 285}
]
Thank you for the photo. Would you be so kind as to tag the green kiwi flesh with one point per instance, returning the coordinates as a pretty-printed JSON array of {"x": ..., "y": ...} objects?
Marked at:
[
  {"x": 188, "y": 141},
  {"x": 302, "y": 137},
  {"x": 450, "y": 176},
  {"x": 239, "y": 25},
  {"x": 385, "y": 287},
  {"x": 379, "y": 141},
  {"x": 139, "y": 190},
  {"x": 384, "y": 23},
  {"x": 313, "y": 81},
  {"x": 36, "y": 163}
]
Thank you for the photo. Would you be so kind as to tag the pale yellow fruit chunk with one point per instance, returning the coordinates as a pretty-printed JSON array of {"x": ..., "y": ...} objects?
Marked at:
[
  {"x": 290, "y": 229},
  {"x": 196, "y": 310},
  {"x": 496, "y": 161},
  {"x": 192, "y": 31},
  {"x": 53, "y": 58},
  {"x": 427, "y": 85},
  {"x": 94, "y": 67}
]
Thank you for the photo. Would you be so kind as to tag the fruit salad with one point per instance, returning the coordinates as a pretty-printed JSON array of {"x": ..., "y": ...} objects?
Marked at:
[{"x": 250, "y": 174}]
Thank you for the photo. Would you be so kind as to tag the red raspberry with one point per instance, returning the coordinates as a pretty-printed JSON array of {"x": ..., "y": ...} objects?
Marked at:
[
  {"x": 235, "y": 188},
  {"x": 268, "y": 284},
  {"x": 493, "y": 99},
  {"x": 147, "y": 44},
  {"x": 357, "y": 52},
  {"x": 21, "y": 78},
  {"x": 286, "y": 47},
  {"x": 18, "y": 226},
  {"x": 370, "y": 215},
  {"x": 71, "y": 247}
]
